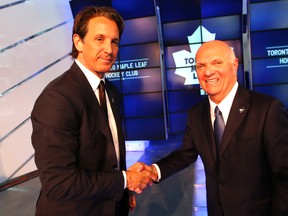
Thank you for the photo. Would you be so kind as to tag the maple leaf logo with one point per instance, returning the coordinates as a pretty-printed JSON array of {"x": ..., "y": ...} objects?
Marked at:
[{"x": 185, "y": 60}]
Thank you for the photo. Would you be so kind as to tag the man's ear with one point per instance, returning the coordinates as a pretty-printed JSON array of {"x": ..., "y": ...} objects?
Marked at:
[
  {"x": 235, "y": 65},
  {"x": 78, "y": 43}
]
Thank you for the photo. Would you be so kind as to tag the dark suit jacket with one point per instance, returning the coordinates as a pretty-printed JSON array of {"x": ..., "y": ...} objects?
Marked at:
[
  {"x": 74, "y": 150},
  {"x": 250, "y": 178}
]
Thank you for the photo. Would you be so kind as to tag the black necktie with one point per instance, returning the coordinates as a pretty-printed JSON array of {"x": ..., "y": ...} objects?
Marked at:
[
  {"x": 219, "y": 127},
  {"x": 103, "y": 105},
  {"x": 102, "y": 98}
]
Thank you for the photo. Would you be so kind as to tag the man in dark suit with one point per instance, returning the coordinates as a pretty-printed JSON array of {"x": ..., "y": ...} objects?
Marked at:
[
  {"x": 80, "y": 150},
  {"x": 247, "y": 173}
]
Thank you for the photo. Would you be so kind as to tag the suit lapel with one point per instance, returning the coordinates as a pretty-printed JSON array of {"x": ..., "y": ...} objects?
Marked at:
[
  {"x": 78, "y": 76},
  {"x": 113, "y": 99},
  {"x": 208, "y": 139},
  {"x": 237, "y": 113}
]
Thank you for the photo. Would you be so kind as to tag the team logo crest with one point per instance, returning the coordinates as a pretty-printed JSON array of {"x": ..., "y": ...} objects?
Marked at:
[{"x": 185, "y": 60}]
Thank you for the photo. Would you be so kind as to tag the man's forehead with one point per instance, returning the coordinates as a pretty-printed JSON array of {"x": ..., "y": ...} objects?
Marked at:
[{"x": 213, "y": 52}]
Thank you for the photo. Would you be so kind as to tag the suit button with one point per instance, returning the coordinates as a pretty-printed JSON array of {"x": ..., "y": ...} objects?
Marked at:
[{"x": 115, "y": 167}]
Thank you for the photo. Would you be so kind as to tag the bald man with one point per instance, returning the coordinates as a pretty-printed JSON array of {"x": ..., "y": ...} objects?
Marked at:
[{"x": 247, "y": 171}]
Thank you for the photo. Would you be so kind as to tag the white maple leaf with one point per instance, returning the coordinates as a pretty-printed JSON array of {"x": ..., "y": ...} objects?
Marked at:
[{"x": 185, "y": 60}]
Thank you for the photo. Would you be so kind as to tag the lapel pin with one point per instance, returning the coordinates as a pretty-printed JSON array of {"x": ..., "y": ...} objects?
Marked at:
[{"x": 242, "y": 109}]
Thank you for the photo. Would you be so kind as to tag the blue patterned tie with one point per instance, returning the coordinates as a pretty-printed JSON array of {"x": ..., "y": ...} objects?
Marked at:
[{"x": 219, "y": 127}]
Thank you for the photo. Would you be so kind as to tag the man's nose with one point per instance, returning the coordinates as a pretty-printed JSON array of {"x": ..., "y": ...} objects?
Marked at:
[
  {"x": 209, "y": 70},
  {"x": 108, "y": 47}
]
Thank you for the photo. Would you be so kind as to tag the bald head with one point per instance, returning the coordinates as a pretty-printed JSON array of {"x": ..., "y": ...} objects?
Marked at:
[{"x": 217, "y": 45}]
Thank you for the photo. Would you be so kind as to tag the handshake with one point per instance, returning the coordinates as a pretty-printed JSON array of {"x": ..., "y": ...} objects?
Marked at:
[{"x": 139, "y": 176}]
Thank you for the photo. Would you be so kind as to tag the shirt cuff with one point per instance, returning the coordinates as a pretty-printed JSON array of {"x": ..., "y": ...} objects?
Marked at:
[
  {"x": 158, "y": 171},
  {"x": 125, "y": 179}
]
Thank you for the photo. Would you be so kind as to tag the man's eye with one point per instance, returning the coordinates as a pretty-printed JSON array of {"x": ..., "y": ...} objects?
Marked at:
[
  {"x": 199, "y": 67},
  {"x": 218, "y": 63},
  {"x": 116, "y": 42},
  {"x": 99, "y": 39}
]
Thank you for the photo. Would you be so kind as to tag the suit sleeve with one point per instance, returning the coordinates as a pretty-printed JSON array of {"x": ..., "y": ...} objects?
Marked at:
[
  {"x": 56, "y": 122},
  {"x": 180, "y": 158},
  {"x": 276, "y": 143}
]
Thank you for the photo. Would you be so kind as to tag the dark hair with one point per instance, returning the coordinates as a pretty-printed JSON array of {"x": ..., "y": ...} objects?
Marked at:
[{"x": 82, "y": 18}]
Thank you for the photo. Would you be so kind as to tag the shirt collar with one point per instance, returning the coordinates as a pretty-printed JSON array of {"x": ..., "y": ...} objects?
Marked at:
[
  {"x": 91, "y": 77},
  {"x": 225, "y": 104}
]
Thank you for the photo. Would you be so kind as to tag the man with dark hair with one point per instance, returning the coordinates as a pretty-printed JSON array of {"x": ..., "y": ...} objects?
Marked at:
[{"x": 77, "y": 136}]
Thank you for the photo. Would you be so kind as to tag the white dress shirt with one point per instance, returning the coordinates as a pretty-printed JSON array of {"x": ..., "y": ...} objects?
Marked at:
[{"x": 224, "y": 106}]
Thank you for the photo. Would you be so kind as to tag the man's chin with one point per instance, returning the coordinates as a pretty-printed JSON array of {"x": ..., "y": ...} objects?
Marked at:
[{"x": 104, "y": 69}]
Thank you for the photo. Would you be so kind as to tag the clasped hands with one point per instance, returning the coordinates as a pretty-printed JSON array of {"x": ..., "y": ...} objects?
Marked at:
[{"x": 139, "y": 176}]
